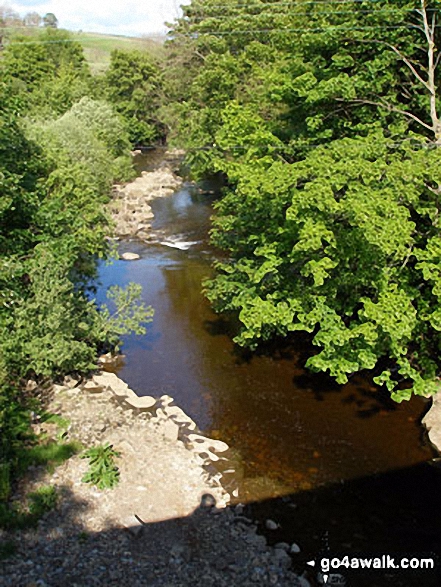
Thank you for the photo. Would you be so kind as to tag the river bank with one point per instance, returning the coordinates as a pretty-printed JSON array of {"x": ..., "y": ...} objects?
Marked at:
[
  {"x": 166, "y": 523},
  {"x": 130, "y": 205}
]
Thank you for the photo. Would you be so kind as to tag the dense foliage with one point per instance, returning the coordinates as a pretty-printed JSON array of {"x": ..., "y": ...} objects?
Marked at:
[
  {"x": 132, "y": 83},
  {"x": 60, "y": 151},
  {"x": 48, "y": 70},
  {"x": 323, "y": 117}
]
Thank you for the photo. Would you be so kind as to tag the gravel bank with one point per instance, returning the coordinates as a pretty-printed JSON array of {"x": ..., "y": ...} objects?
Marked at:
[{"x": 167, "y": 523}]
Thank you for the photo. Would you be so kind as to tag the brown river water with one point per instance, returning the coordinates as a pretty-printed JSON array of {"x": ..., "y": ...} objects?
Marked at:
[{"x": 337, "y": 467}]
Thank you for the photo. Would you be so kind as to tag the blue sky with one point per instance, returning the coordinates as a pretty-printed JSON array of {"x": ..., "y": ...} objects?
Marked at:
[{"x": 128, "y": 17}]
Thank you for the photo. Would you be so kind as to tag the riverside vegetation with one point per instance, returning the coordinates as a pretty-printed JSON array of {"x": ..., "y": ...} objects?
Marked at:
[
  {"x": 322, "y": 118},
  {"x": 64, "y": 140}
]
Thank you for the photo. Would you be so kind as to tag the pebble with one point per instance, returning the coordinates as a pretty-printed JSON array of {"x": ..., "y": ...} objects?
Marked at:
[
  {"x": 271, "y": 525},
  {"x": 215, "y": 547}
]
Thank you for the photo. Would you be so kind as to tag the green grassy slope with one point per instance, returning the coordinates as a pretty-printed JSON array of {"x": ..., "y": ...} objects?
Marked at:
[{"x": 97, "y": 46}]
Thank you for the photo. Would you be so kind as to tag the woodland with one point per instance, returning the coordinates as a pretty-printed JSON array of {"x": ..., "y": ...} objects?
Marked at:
[{"x": 323, "y": 119}]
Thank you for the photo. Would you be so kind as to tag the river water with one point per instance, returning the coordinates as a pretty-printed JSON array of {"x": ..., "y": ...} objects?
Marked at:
[{"x": 337, "y": 466}]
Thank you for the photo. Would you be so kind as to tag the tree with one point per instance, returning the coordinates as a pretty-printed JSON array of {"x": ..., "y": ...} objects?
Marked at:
[
  {"x": 50, "y": 71},
  {"x": 32, "y": 19},
  {"x": 324, "y": 120},
  {"x": 132, "y": 85},
  {"x": 50, "y": 20}
]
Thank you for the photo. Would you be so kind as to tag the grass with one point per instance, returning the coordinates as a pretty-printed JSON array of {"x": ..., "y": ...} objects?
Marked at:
[
  {"x": 48, "y": 454},
  {"x": 98, "y": 47},
  {"x": 13, "y": 517}
]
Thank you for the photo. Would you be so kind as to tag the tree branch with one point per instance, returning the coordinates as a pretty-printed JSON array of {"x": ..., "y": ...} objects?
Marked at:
[
  {"x": 404, "y": 59},
  {"x": 392, "y": 108}
]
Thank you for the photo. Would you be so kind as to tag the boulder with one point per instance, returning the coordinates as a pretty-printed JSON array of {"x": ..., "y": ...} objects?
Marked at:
[
  {"x": 130, "y": 256},
  {"x": 141, "y": 403},
  {"x": 432, "y": 421}
]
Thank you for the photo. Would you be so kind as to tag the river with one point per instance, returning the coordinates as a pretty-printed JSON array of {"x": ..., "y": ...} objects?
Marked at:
[{"x": 342, "y": 467}]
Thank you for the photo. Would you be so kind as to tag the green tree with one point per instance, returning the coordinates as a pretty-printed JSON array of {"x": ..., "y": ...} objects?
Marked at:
[
  {"x": 132, "y": 85},
  {"x": 324, "y": 119},
  {"x": 55, "y": 178},
  {"x": 50, "y": 20},
  {"x": 49, "y": 70}
]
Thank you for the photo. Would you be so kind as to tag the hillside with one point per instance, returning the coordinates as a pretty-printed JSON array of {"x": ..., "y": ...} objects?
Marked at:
[{"x": 97, "y": 46}]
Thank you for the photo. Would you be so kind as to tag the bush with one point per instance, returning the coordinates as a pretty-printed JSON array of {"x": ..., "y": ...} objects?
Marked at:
[{"x": 102, "y": 469}]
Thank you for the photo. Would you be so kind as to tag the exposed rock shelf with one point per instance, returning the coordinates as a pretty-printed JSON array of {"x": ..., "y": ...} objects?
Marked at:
[
  {"x": 166, "y": 523},
  {"x": 432, "y": 421},
  {"x": 130, "y": 206}
]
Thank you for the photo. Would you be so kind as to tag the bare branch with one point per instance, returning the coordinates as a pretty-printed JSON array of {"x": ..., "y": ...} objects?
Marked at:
[
  {"x": 409, "y": 65},
  {"x": 403, "y": 58},
  {"x": 392, "y": 108}
]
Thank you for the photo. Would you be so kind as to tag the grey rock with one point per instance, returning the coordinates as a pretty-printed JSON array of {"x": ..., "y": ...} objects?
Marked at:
[{"x": 271, "y": 525}]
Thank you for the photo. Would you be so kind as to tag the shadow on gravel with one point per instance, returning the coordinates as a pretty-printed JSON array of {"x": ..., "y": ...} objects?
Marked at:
[{"x": 395, "y": 513}]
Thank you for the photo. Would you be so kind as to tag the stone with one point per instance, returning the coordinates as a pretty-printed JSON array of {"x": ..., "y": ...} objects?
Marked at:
[
  {"x": 93, "y": 387},
  {"x": 170, "y": 430},
  {"x": 126, "y": 447},
  {"x": 432, "y": 421},
  {"x": 110, "y": 359},
  {"x": 70, "y": 382},
  {"x": 271, "y": 525},
  {"x": 130, "y": 256},
  {"x": 133, "y": 525},
  {"x": 112, "y": 382},
  {"x": 295, "y": 548},
  {"x": 141, "y": 403},
  {"x": 202, "y": 442}
]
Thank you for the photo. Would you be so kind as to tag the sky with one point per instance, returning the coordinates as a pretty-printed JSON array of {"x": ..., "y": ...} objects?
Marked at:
[{"x": 118, "y": 17}]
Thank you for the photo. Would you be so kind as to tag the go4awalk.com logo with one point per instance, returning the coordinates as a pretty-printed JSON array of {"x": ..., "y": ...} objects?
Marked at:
[{"x": 333, "y": 570}]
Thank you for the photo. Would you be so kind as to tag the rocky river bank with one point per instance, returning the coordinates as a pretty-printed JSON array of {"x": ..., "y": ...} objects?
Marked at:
[
  {"x": 167, "y": 523},
  {"x": 130, "y": 205}
]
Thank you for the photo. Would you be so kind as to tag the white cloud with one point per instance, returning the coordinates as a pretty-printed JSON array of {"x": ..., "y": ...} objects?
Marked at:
[{"x": 111, "y": 16}]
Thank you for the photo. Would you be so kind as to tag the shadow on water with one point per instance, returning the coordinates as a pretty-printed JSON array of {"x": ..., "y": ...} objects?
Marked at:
[
  {"x": 291, "y": 431},
  {"x": 377, "y": 522},
  {"x": 393, "y": 513}
]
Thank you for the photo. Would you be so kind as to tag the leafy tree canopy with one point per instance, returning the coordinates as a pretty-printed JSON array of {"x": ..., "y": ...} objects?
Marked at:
[
  {"x": 323, "y": 117},
  {"x": 132, "y": 83}
]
